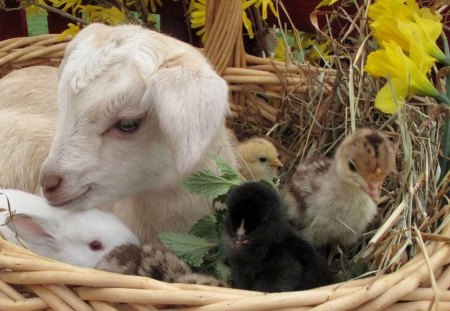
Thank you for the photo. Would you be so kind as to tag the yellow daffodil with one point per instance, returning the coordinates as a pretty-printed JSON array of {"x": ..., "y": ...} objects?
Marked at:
[
  {"x": 264, "y": 4},
  {"x": 399, "y": 9},
  {"x": 429, "y": 30},
  {"x": 428, "y": 14},
  {"x": 153, "y": 4},
  {"x": 71, "y": 31},
  {"x": 245, "y": 20},
  {"x": 391, "y": 96},
  {"x": 146, "y": 3},
  {"x": 408, "y": 75},
  {"x": 308, "y": 48},
  {"x": 402, "y": 32},
  {"x": 320, "y": 51},
  {"x": 402, "y": 23},
  {"x": 248, "y": 25},
  {"x": 34, "y": 10},
  {"x": 73, "y": 5},
  {"x": 111, "y": 16},
  {"x": 280, "y": 49},
  {"x": 326, "y": 3},
  {"x": 197, "y": 9}
]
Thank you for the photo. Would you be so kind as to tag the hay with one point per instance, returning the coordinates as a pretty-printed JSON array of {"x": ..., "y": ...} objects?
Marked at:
[{"x": 306, "y": 110}]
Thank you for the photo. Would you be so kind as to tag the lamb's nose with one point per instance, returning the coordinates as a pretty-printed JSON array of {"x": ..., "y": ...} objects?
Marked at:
[{"x": 50, "y": 185}]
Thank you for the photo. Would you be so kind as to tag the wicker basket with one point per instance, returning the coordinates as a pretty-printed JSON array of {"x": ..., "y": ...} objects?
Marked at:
[{"x": 29, "y": 282}]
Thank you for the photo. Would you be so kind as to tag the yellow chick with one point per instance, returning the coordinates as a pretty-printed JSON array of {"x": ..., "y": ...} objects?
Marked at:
[
  {"x": 332, "y": 201},
  {"x": 258, "y": 159}
]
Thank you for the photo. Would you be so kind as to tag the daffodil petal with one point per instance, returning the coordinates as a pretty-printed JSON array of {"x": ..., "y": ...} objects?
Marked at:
[
  {"x": 326, "y": 3},
  {"x": 71, "y": 31},
  {"x": 385, "y": 29},
  {"x": 248, "y": 25},
  {"x": 201, "y": 32},
  {"x": 391, "y": 62},
  {"x": 280, "y": 49},
  {"x": 197, "y": 24},
  {"x": 246, "y": 4},
  {"x": 384, "y": 62},
  {"x": 198, "y": 14},
  {"x": 395, "y": 8},
  {"x": 198, "y": 6},
  {"x": 430, "y": 30},
  {"x": 272, "y": 8},
  {"x": 390, "y": 96}
]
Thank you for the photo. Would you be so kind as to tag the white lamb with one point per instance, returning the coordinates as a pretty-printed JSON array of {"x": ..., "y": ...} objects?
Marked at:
[
  {"x": 138, "y": 111},
  {"x": 80, "y": 238}
]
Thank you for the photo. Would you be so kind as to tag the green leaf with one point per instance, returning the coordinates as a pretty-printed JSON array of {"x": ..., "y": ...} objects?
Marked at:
[
  {"x": 205, "y": 227},
  {"x": 228, "y": 172},
  {"x": 298, "y": 56},
  {"x": 188, "y": 247},
  {"x": 221, "y": 253},
  {"x": 207, "y": 184},
  {"x": 221, "y": 199},
  {"x": 222, "y": 271}
]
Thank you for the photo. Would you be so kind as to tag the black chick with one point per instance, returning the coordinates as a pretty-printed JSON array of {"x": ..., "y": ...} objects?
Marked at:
[{"x": 264, "y": 254}]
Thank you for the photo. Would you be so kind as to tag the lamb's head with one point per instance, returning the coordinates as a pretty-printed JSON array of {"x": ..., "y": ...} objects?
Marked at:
[{"x": 137, "y": 111}]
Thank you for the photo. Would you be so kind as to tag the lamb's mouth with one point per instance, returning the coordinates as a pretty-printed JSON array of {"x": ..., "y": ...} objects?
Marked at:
[{"x": 65, "y": 202}]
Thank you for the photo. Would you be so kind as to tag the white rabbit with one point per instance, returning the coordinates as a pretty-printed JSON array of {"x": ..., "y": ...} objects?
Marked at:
[{"x": 80, "y": 238}]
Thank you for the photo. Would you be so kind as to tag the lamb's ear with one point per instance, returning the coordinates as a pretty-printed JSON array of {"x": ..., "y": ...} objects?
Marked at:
[
  {"x": 191, "y": 108},
  {"x": 33, "y": 229}
]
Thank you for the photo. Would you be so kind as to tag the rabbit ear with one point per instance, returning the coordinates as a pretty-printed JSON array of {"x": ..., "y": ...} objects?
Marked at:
[
  {"x": 33, "y": 229},
  {"x": 191, "y": 108}
]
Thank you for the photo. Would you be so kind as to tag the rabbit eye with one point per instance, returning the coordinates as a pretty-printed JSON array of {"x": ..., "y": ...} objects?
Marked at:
[{"x": 95, "y": 245}]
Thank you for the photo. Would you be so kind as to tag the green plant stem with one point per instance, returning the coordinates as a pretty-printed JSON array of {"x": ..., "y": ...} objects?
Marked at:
[
  {"x": 446, "y": 137},
  {"x": 445, "y": 163},
  {"x": 446, "y": 147},
  {"x": 441, "y": 98},
  {"x": 445, "y": 61}
]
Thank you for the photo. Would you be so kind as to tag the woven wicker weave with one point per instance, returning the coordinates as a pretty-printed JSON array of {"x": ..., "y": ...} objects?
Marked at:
[
  {"x": 44, "y": 283},
  {"x": 29, "y": 282}
]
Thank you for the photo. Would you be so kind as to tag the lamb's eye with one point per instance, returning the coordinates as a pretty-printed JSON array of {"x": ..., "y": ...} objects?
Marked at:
[
  {"x": 262, "y": 160},
  {"x": 95, "y": 245},
  {"x": 352, "y": 166},
  {"x": 128, "y": 126}
]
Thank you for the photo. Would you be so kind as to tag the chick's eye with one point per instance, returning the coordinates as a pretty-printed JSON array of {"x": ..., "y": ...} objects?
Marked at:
[
  {"x": 352, "y": 166},
  {"x": 262, "y": 160},
  {"x": 95, "y": 245},
  {"x": 128, "y": 125}
]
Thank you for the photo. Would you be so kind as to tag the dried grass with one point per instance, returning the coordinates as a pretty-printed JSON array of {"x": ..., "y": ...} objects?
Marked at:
[
  {"x": 302, "y": 126},
  {"x": 305, "y": 110}
]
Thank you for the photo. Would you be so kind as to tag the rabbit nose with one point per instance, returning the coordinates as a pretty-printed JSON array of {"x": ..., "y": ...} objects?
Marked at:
[{"x": 50, "y": 184}]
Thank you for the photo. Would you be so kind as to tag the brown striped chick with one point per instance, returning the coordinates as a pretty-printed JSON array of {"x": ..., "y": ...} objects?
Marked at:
[
  {"x": 332, "y": 201},
  {"x": 155, "y": 261},
  {"x": 200, "y": 279},
  {"x": 258, "y": 159}
]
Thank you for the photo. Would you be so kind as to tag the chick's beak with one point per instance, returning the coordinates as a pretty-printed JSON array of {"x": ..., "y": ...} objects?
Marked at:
[
  {"x": 240, "y": 239},
  {"x": 373, "y": 190},
  {"x": 276, "y": 163}
]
